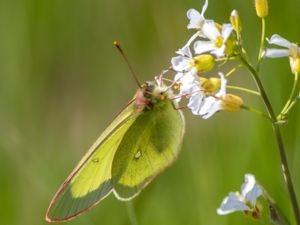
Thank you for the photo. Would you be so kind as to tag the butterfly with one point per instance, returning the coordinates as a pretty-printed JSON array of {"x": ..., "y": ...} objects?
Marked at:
[{"x": 143, "y": 139}]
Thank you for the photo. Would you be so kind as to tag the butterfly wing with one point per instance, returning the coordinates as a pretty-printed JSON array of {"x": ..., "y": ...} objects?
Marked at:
[
  {"x": 151, "y": 144},
  {"x": 90, "y": 181}
]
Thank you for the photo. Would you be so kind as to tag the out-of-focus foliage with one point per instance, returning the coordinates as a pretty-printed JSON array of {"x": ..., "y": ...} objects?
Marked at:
[{"x": 62, "y": 81}]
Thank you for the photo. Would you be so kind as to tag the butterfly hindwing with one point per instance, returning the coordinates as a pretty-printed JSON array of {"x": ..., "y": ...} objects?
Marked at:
[
  {"x": 91, "y": 181},
  {"x": 151, "y": 144}
]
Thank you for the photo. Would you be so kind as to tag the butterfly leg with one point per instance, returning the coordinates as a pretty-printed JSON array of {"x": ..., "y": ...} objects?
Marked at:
[{"x": 179, "y": 108}]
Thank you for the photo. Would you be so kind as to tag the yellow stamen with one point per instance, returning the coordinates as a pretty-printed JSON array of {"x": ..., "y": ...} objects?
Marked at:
[
  {"x": 177, "y": 86},
  {"x": 219, "y": 42}
]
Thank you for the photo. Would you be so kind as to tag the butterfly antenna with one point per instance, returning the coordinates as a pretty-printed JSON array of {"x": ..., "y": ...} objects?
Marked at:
[{"x": 117, "y": 45}]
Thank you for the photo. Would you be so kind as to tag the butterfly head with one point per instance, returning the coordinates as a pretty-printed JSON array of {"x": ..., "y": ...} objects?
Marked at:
[{"x": 152, "y": 95}]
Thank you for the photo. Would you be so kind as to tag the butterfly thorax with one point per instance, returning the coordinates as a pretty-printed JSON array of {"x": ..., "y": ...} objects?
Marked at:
[{"x": 151, "y": 96}]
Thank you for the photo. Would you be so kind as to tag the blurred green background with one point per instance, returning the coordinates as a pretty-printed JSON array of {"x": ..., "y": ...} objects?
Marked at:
[{"x": 62, "y": 81}]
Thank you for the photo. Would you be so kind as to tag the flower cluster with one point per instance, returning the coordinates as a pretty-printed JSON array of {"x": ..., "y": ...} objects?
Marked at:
[
  {"x": 212, "y": 42},
  {"x": 289, "y": 49},
  {"x": 245, "y": 201}
]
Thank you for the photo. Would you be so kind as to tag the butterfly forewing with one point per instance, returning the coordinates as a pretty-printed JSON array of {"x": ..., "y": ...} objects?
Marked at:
[
  {"x": 91, "y": 181},
  {"x": 151, "y": 144}
]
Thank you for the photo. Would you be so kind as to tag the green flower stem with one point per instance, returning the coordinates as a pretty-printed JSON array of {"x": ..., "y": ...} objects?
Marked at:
[
  {"x": 257, "y": 112},
  {"x": 285, "y": 168},
  {"x": 260, "y": 88},
  {"x": 262, "y": 42},
  {"x": 293, "y": 103},
  {"x": 233, "y": 70},
  {"x": 284, "y": 111},
  {"x": 225, "y": 59},
  {"x": 243, "y": 89}
]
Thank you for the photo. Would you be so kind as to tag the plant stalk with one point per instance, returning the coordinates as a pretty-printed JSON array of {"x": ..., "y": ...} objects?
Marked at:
[
  {"x": 285, "y": 168},
  {"x": 288, "y": 103},
  {"x": 262, "y": 43}
]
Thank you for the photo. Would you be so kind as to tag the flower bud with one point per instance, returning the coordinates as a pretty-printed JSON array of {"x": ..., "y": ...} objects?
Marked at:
[
  {"x": 230, "y": 46},
  {"x": 295, "y": 65},
  {"x": 262, "y": 8},
  {"x": 203, "y": 63},
  {"x": 232, "y": 103},
  {"x": 236, "y": 22},
  {"x": 294, "y": 56},
  {"x": 211, "y": 85}
]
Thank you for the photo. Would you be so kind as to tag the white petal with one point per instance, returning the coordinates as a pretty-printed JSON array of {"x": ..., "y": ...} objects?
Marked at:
[
  {"x": 234, "y": 13},
  {"x": 180, "y": 63},
  {"x": 196, "y": 102},
  {"x": 192, "y": 14},
  {"x": 204, "y": 7},
  {"x": 189, "y": 83},
  {"x": 222, "y": 91},
  {"x": 254, "y": 194},
  {"x": 190, "y": 78},
  {"x": 250, "y": 190},
  {"x": 275, "y": 53},
  {"x": 203, "y": 46},
  {"x": 226, "y": 31},
  {"x": 210, "y": 106},
  {"x": 185, "y": 51},
  {"x": 219, "y": 52},
  {"x": 210, "y": 30},
  {"x": 278, "y": 40},
  {"x": 248, "y": 185},
  {"x": 231, "y": 204},
  {"x": 192, "y": 39},
  {"x": 196, "y": 19},
  {"x": 178, "y": 77}
]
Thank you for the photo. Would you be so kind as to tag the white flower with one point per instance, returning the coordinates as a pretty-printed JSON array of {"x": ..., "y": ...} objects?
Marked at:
[
  {"x": 182, "y": 62},
  {"x": 206, "y": 103},
  {"x": 186, "y": 76},
  {"x": 213, "y": 104},
  {"x": 196, "y": 19},
  {"x": 244, "y": 201},
  {"x": 189, "y": 83},
  {"x": 187, "y": 68},
  {"x": 187, "y": 62},
  {"x": 290, "y": 50},
  {"x": 280, "y": 41},
  {"x": 217, "y": 40}
]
